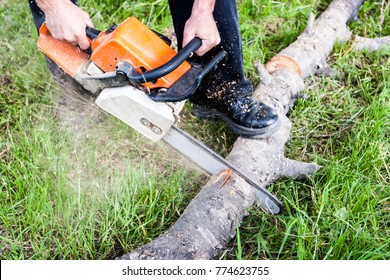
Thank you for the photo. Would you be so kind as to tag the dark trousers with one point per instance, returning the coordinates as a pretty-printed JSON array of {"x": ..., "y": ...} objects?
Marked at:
[{"x": 228, "y": 78}]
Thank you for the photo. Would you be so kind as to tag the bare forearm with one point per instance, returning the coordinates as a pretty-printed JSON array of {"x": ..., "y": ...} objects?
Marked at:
[
  {"x": 201, "y": 24},
  {"x": 66, "y": 21},
  {"x": 203, "y": 6},
  {"x": 52, "y": 5}
]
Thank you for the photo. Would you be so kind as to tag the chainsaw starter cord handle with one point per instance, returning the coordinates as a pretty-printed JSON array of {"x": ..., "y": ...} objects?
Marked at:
[{"x": 168, "y": 67}]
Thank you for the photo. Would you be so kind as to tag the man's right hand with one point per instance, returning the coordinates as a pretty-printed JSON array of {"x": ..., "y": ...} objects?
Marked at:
[
  {"x": 201, "y": 24},
  {"x": 66, "y": 21}
]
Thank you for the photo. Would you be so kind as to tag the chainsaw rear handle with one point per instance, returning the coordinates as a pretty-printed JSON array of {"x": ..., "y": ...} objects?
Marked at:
[
  {"x": 92, "y": 33},
  {"x": 168, "y": 67}
]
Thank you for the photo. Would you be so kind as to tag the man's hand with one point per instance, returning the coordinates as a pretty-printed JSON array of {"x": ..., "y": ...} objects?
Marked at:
[
  {"x": 66, "y": 21},
  {"x": 201, "y": 24}
]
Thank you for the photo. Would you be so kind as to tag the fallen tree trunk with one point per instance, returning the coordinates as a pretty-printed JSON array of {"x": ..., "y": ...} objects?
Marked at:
[{"x": 209, "y": 222}]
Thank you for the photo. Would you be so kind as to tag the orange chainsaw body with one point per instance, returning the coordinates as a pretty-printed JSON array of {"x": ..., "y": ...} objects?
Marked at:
[{"x": 131, "y": 41}]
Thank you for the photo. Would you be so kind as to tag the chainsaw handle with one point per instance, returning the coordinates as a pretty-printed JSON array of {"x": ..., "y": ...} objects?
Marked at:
[
  {"x": 168, "y": 67},
  {"x": 92, "y": 33}
]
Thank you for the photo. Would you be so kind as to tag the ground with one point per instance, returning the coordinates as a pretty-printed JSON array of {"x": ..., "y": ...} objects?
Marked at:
[{"x": 103, "y": 190}]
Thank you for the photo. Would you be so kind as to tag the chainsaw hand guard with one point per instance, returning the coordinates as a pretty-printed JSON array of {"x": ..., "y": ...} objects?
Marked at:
[
  {"x": 188, "y": 83},
  {"x": 168, "y": 67}
]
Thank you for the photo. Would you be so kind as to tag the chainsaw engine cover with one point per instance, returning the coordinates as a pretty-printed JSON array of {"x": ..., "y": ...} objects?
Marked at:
[{"x": 133, "y": 42}]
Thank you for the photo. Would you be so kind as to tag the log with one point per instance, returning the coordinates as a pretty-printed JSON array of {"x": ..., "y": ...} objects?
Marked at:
[{"x": 210, "y": 220}]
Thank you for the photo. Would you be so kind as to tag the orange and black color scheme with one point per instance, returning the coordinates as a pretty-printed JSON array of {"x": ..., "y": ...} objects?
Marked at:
[{"x": 131, "y": 53}]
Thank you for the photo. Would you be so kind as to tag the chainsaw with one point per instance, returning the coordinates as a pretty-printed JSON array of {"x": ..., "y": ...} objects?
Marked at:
[{"x": 134, "y": 74}]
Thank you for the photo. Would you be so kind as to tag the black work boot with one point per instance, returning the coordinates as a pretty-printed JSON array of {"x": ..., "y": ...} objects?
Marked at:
[{"x": 242, "y": 114}]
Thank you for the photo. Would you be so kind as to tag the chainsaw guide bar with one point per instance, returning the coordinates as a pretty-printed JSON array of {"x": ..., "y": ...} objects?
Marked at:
[{"x": 213, "y": 164}]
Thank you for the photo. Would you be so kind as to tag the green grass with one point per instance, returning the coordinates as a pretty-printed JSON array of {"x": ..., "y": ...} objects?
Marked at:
[
  {"x": 343, "y": 213},
  {"x": 94, "y": 189},
  {"x": 61, "y": 198}
]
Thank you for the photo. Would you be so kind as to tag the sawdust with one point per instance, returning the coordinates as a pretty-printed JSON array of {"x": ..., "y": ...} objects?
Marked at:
[
  {"x": 77, "y": 113},
  {"x": 105, "y": 149},
  {"x": 170, "y": 33}
]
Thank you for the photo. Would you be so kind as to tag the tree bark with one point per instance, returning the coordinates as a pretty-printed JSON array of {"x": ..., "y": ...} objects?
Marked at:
[
  {"x": 371, "y": 44},
  {"x": 209, "y": 222}
]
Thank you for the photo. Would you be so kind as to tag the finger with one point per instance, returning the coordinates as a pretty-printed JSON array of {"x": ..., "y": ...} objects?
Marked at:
[
  {"x": 206, "y": 46},
  {"x": 186, "y": 39},
  {"x": 89, "y": 22},
  {"x": 202, "y": 50},
  {"x": 83, "y": 43}
]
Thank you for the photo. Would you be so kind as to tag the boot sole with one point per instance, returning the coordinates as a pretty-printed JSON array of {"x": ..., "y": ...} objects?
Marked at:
[{"x": 212, "y": 114}]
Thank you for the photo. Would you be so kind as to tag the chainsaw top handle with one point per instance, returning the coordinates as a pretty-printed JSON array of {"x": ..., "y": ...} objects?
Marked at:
[{"x": 168, "y": 67}]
